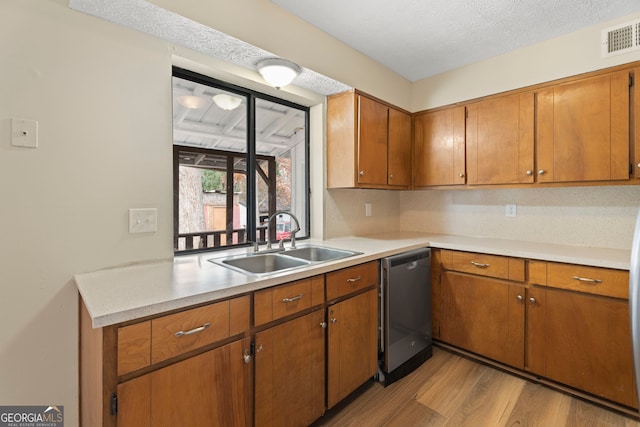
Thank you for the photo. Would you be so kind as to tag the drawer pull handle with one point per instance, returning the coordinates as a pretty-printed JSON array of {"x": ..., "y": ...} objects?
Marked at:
[
  {"x": 194, "y": 330},
  {"x": 480, "y": 265},
  {"x": 354, "y": 279},
  {"x": 292, "y": 299},
  {"x": 586, "y": 279}
]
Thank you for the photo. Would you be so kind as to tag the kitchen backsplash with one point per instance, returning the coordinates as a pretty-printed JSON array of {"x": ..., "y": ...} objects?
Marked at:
[{"x": 587, "y": 216}]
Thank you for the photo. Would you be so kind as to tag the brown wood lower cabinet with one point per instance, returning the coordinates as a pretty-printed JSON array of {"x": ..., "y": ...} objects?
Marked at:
[
  {"x": 566, "y": 324},
  {"x": 483, "y": 315},
  {"x": 588, "y": 344},
  {"x": 352, "y": 344},
  {"x": 213, "y": 388},
  {"x": 220, "y": 365},
  {"x": 290, "y": 372}
]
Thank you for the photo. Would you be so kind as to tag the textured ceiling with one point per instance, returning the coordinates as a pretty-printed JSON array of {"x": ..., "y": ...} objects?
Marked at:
[
  {"x": 420, "y": 38},
  {"x": 151, "y": 19},
  {"x": 415, "y": 38}
]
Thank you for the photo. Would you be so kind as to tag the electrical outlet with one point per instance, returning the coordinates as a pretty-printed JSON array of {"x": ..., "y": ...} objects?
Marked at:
[
  {"x": 511, "y": 211},
  {"x": 143, "y": 220}
]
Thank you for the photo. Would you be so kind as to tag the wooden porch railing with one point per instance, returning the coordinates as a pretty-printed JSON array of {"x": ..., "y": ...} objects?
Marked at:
[{"x": 214, "y": 239}]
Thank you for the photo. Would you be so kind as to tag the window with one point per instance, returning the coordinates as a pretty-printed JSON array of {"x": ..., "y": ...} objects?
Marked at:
[{"x": 239, "y": 157}]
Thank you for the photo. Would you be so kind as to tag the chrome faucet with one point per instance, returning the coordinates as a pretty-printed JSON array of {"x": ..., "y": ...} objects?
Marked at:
[{"x": 293, "y": 232}]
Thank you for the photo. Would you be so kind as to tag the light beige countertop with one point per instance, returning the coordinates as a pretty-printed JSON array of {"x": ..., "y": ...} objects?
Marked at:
[{"x": 125, "y": 293}]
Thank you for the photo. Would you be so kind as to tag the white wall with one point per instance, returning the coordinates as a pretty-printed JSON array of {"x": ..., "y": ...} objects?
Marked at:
[
  {"x": 101, "y": 95},
  {"x": 102, "y": 99},
  {"x": 345, "y": 212}
]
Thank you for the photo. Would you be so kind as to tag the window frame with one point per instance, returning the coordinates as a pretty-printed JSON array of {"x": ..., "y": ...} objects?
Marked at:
[{"x": 252, "y": 209}]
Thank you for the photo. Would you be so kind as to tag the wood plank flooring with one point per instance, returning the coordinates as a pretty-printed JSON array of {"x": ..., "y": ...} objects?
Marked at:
[{"x": 450, "y": 390}]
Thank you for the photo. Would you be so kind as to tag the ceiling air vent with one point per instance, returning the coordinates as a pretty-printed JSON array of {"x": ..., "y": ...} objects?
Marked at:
[{"x": 621, "y": 39}]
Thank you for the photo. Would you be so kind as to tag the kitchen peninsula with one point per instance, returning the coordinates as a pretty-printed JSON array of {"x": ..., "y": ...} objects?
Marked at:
[{"x": 123, "y": 308}]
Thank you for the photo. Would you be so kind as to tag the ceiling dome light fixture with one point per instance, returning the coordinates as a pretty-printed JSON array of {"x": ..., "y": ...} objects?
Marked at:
[
  {"x": 278, "y": 72},
  {"x": 227, "y": 102},
  {"x": 192, "y": 102}
]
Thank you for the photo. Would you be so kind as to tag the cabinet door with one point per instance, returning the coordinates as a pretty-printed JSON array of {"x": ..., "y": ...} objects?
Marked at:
[
  {"x": 499, "y": 140},
  {"x": 372, "y": 142},
  {"x": 436, "y": 294},
  {"x": 134, "y": 402},
  {"x": 535, "y": 346},
  {"x": 589, "y": 345},
  {"x": 440, "y": 148},
  {"x": 483, "y": 315},
  {"x": 213, "y": 388},
  {"x": 352, "y": 345},
  {"x": 635, "y": 124},
  {"x": 399, "y": 152},
  {"x": 290, "y": 372},
  {"x": 583, "y": 130}
]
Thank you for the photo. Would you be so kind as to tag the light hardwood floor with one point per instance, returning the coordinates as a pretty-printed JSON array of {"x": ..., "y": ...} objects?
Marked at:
[{"x": 450, "y": 390}]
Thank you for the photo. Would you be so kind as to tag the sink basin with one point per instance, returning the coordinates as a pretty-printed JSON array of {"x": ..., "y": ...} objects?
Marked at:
[
  {"x": 265, "y": 263},
  {"x": 260, "y": 263},
  {"x": 318, "y": 253}
]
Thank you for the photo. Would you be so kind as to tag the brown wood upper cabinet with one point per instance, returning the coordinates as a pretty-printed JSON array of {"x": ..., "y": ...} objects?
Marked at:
[
  {"x": 583, "y": 130},
  {"x": 500, "y": 140},
  {"x": 439, "y": 149},
  {"x": 368, "y": 143}
]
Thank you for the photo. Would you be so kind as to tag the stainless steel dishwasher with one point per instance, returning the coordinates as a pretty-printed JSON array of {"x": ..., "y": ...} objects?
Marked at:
[{"x": 405, "y": 313}]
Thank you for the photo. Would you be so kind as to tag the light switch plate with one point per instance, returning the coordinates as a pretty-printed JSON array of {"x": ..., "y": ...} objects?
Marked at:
[
  {"x": 511, "y": 211},
  {"x": 143, "y": 220},
  {"x": 367, "y": 209},
  {"x": 24, "y": 133}
]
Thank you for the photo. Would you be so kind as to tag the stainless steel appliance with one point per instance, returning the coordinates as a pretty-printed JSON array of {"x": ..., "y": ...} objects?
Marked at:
[
  {"x": 634, "y": 300},
  {"x": 405, "y": 313}
]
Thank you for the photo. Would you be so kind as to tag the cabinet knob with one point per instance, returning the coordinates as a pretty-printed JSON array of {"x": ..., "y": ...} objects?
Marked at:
[
  {"x": 390, "y": 176},
  {"x": 532, "y": 300},
  {"x": 361, "y": 173},
  {"x": 461, "y": 175},
  {"x": 519, "y": 298},
  {"x": 529, "y": 173},
  {"x": 246, "y": 357},
  {"x": 638, "y": 165},
  {"x": 323, "y": 325},
  {"x": 541, "y": 172},
  {"x": 334, "y": 320}
]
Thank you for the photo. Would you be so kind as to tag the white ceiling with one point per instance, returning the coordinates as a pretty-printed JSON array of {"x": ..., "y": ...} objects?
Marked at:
[
  {"x": 421, "y": 38},
  {"x": 148, "y": 18},
  {"x": 415, "y": 38}
]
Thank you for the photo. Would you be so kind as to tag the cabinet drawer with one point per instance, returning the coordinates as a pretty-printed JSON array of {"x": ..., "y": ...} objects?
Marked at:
[
  {"x": 592, "y": 280},
  {"x": 182, "y": 332},
  {"x": 134, "y": 347},
  {"x": 484, "y": 265},
  {"x": 352, "y": 279},
  {"x": 280, "y": 301}
]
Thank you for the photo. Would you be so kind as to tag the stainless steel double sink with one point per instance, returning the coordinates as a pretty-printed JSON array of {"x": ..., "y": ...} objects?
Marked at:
[{"x": 257, "y": 264}]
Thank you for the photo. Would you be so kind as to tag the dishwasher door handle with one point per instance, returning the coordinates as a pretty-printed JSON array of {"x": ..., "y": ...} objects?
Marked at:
[{"x": 412, "y": 265}]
